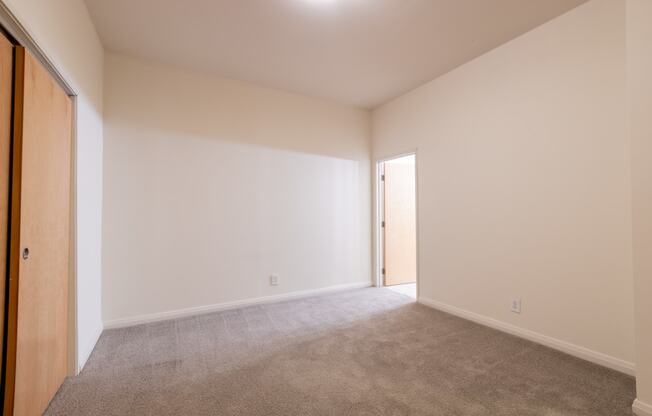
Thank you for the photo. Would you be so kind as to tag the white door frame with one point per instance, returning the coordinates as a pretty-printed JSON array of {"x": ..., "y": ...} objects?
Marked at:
[{"x": 379, "y": 214}]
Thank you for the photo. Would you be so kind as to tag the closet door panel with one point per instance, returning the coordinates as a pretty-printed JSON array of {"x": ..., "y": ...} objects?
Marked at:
[{"x": 42, "y": 147}]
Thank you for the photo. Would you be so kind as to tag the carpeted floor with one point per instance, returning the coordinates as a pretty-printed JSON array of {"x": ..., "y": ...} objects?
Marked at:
[{"x": 364, "y": 352}]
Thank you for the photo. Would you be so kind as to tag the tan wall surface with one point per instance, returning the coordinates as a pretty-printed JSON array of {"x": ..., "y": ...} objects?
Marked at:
[
  {"x": 524, "y": 182},
  {"x": 212, "y": 185},
  {"x": 639, "y": 59}
]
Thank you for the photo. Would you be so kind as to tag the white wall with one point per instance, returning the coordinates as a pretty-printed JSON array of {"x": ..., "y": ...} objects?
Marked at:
[
  {"x": 211, "y": 185},
  {"x": 524, "y": 183},
  {"x": 63, "y": 29},
  {"x": 639, "y": 64}
]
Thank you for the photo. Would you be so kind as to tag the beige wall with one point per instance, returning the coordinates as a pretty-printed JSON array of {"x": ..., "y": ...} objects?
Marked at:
[
  {"x": 64, "y": 30},
  {"x": 211, "y": 185},
  {"x": 639, "y": 59},
  {"x": 524, "y": 184}
]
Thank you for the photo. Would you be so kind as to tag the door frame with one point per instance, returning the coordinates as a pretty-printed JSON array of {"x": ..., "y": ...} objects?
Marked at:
[{"x": 379, "y": 252}]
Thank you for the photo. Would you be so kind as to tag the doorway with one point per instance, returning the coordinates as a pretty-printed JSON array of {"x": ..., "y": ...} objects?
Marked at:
[{"x": 397, "y": 208}]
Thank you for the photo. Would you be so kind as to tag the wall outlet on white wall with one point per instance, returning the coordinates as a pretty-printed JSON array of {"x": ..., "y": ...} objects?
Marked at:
[
  {"x": 516, "y": 305},
  {"x": 274, "y": 279}
]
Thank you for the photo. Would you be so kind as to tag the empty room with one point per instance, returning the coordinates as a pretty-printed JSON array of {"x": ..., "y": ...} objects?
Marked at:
[{"x": 326, "y": 207}]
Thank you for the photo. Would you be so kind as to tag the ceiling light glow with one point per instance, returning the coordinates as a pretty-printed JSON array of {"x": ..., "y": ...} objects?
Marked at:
[{"x": 320, "y": 1}]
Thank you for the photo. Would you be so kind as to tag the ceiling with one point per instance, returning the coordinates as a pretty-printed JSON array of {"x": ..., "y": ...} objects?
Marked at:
[{"x": 360, "y": 52}]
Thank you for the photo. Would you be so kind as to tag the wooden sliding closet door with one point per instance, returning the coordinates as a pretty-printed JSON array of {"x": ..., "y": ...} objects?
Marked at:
[
  {"x": 40, "y": 225},
  {"x": 6, "y": 79}
]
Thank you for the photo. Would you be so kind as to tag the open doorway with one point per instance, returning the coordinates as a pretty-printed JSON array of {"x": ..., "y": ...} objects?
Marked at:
[{"x": 398, "y": 224}]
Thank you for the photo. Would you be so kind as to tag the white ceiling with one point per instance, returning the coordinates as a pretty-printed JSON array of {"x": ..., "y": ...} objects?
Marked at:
[{"x": 361, "y": 52}]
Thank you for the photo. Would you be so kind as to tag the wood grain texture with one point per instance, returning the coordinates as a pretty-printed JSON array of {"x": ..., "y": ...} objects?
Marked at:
[
  {"x": 6, "y": 82},
  {"x": 41, "y": 200},
  {"x": 400, "y": 223}
]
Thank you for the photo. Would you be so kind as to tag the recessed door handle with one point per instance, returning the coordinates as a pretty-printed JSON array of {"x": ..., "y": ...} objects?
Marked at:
[{"x": 25, "y": 253}]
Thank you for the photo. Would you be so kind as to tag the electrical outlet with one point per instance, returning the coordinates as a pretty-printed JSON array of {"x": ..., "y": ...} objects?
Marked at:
[
  {"x": 516, "y": 305},
  {"x": 273, "y": 279}
]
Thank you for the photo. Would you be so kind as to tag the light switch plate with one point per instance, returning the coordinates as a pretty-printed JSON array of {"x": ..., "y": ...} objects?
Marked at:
[
  {"x": 516, "y": 305},
  {"x": 274, "y": 279}
]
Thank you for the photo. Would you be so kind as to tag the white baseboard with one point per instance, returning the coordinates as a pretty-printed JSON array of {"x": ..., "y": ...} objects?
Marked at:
[
  {"x": 180, "y": 313},
  {"x": 642, "y": 409},
  {"x": 86, "y": 351},
  {"x": 571, "y": 349}
]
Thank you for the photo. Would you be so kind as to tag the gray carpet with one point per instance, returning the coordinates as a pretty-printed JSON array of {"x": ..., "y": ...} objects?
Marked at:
[{"x": 364, "y": 352}]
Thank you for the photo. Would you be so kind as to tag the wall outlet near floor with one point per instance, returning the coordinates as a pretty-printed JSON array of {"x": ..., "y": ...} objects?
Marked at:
[
  {"x": 516, "y": 305},
  {"x": 273, "y": 279}
]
